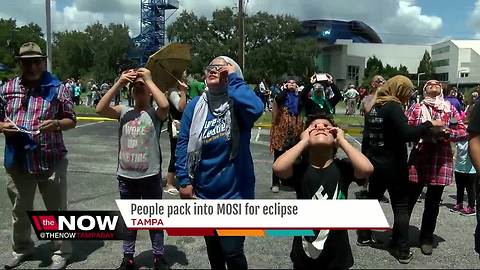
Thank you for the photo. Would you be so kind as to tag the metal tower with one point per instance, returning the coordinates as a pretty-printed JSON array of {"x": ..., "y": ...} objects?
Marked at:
[{"x": 152, "y": 26}]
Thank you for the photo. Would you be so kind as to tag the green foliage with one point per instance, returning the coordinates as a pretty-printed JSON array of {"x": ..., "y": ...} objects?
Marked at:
[
  {"x": 426, "y": 66},
  {"x": 375, "y": 67},
  {"x": 272, "y": 48},
  {"x": 95, "y": 53}
]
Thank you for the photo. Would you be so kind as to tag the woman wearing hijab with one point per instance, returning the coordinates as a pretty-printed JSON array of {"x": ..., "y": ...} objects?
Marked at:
[
  {"x": 431, "y": 160},
  {"x": 213, "y": 150},
  {"x": 384, "y": 143},
  {"x": 321, "y": 97},
  {"x": 287, "y": 124}
]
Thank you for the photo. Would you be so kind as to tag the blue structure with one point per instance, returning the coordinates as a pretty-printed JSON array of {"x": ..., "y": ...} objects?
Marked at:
[
  {"x": 328, "y": 31},
  {"x": 152, "y": 28}
]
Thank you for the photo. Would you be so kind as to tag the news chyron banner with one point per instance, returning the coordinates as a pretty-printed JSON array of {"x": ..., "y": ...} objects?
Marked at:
[
  {"x": 251, "y": 217},
  {"x": 78, "y": 225}
]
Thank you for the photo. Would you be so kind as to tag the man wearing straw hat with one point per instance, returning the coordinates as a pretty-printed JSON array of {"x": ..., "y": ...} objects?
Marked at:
[{"x": 35, "y": 109}]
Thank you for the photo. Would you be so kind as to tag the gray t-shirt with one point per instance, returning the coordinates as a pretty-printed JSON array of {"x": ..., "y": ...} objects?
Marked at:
[{"x": 139, "y": 153}]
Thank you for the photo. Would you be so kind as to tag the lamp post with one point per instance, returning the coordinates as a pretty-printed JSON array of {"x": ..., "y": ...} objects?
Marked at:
[
  {"x": 49, "y": 35},
  {"x": 418, "y": 78}
]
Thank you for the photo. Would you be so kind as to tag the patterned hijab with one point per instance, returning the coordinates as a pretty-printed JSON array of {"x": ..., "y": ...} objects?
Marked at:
[{"x": 438, "y": 102}]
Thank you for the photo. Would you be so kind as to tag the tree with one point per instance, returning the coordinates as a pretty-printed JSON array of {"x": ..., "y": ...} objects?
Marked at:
[
  {"x": 13, "y": 37},
  {"x": 95, "y": 53},
  {"x": 272, "y": 48},
  {"x": 426, "y": 66},
  {"x": 375, "y": 67}
]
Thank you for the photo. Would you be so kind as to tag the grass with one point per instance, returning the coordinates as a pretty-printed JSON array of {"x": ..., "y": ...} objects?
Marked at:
[
  {"x": 82, "y": 109},
  {"x": 340, "y": 119}
]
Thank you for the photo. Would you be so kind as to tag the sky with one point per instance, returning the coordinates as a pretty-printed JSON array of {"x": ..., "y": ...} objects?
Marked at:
[{"x": 396, "y": 21}]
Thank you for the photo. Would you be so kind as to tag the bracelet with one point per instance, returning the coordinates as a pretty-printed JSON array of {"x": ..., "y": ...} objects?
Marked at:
[{"x": 58, "y": 125}]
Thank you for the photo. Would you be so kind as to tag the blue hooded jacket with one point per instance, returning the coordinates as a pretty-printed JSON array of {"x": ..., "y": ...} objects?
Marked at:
[{"x": 217, "y": 176}]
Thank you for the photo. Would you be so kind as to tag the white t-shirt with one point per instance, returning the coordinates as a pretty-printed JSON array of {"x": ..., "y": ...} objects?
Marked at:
[{"x": 351, "y": 93}]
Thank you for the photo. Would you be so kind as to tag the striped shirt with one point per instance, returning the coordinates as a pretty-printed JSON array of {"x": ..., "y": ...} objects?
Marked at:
[{"x": 28, "y": 108}]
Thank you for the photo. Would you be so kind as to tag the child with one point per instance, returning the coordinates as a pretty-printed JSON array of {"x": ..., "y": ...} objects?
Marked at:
[
  {"x": 465, "y": 178},
  {"x": 321, "y": 176},
  {"x": 139, "y": 157}
]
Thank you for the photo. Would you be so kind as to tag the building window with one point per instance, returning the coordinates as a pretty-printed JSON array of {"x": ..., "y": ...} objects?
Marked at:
[
  {"x": 352, "y": 73},
  {"x": 464, "y": 74},
  {"x": 441, "y": 63},
  {"x": 441, "y": 50},
  {"x": 443, "y": 77}
]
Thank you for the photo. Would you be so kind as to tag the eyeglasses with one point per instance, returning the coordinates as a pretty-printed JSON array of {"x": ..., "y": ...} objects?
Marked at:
[{"x": 379, "y": 81}]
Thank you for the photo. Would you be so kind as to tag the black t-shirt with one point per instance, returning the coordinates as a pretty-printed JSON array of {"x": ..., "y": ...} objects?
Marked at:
[
  {"x": 384, "y": 140},
  {"x": 474, "y": 121},
  {"x": 312, "y": 183}
]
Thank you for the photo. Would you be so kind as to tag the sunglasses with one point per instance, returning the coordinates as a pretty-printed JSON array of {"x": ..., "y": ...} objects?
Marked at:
[
  {"x": 33, "y": 61},
  {"x": 433, "y": 82},
  {"x": 214, "y": 68},
  {"x": 379, "y": 81}
]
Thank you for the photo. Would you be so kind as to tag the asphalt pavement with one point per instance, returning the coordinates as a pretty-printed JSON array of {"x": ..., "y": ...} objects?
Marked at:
[{"x": 92, "y": 185}]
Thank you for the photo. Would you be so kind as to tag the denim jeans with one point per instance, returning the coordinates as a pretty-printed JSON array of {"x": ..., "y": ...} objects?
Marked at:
[
  {"x": 226, "y": 250},
  {"x": 466, "y": 181},
  {"x": 144, "y": 188}
]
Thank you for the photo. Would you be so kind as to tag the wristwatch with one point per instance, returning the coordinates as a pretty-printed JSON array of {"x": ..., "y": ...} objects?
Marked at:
[{"x": 58, "y": 125}]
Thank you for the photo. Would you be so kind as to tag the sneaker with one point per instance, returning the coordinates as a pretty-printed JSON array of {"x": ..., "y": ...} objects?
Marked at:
[
  {"x": 384, "y": 199},
  {"x": 426, "y": 248},
  {"x": 366, "y": 242},
  {"x": 171, "y": 190},
  {"x": 457, "y": 208},
  {"x": 127, "y": 264},
  {"x": 275, "y": 189},
  {"x": 59, "y": 262},
  {"x": 17, "y": 260},
  {"x": 159, "y": 263},
  {"x": 405, "y": 258},
  {"x": 468, "y": 211}
]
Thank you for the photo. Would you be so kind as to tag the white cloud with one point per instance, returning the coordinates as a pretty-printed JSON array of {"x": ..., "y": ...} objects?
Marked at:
[
  {"x": 399, "y": 21},
  {"x": 410, "y": 24},
  {"x": 475, "y": 19}
]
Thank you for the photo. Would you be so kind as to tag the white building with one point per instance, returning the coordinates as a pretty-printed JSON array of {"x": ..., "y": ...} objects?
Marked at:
[
  {"x": 457, "y": 61},
  {"x": 346, "y": 61}
]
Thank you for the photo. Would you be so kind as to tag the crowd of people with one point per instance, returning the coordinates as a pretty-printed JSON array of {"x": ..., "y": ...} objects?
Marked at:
[{"x": 209, "y": 126}]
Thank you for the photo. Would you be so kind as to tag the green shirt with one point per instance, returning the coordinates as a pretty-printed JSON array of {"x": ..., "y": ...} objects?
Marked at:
[{"x": 196, "y": 88}]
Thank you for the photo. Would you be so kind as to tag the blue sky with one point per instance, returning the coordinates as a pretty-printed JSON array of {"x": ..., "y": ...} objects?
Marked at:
[
  {"x": 61, "y": 4},
  {"x": 454, "y": 13}
]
